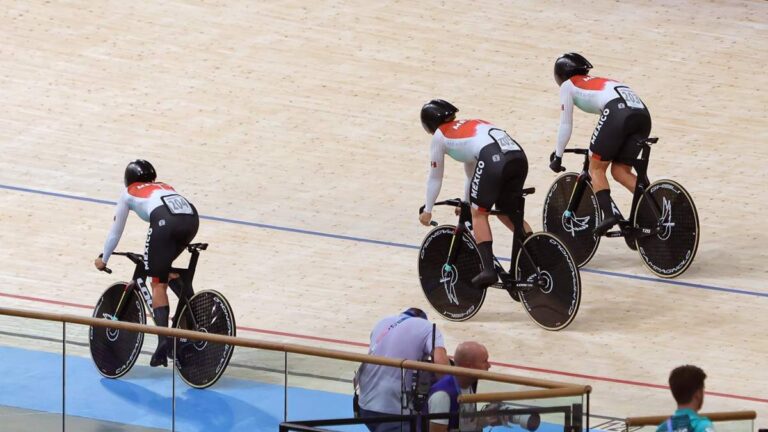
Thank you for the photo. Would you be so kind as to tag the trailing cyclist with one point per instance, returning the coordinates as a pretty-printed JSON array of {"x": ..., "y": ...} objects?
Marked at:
[
  {"x": 624, "y": 120},
  {"x": 173, "y": 223},
  {"x": 495, "y": 165}
]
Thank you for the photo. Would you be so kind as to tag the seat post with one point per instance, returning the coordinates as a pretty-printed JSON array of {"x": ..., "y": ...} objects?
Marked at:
[
  {"x": 190, "y": 273},
  {"x": 517, "y": 217}
]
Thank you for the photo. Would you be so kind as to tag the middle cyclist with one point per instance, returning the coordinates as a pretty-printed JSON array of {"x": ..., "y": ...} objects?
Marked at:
[{"x": 496, "y": 169}]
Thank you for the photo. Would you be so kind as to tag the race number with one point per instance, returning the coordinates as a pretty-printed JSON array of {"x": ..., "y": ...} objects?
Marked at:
[
  {"x": 504, "y": 141},
  {"x": 177, "y": 204},
  {"x": 632, "y": 100}
]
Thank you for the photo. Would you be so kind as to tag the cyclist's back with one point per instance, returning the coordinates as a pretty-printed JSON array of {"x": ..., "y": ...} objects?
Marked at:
[
  {"x": 622, "y": 115},
  {"x": 478, "y": 145},
  {"x": 463, "y": 139}
]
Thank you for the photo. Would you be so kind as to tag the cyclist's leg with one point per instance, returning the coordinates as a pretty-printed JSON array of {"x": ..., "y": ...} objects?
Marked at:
[
  {"x": 186, "y": 232},
  {"x": 623, "y": 174},
  {"x": 637, "y": 128},
  {"x": 507, "y": 221},
  {"x": 157, "y": 263},
  {"x": 607, "y": 140},
  {"x": 483, "y": 194},
  {"x": 480, "y": 225},
  {"x": 164, "y": 244},
  {"x": 510, "y": 199}
]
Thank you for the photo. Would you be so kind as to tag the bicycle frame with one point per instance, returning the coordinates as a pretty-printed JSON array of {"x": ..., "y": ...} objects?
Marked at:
[
  {"x": 139, "y": 279},
  {"x": 508, "y": 280},
  {"x": 641, "y": 189}
]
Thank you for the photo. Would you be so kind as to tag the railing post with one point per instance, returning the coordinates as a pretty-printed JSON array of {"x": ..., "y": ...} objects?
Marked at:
[
  {"x": 173, "y": 388},
  {"x": 577, "y": 415},
  {"x": 285, "y": 386},
  {"x": 63, "y": 376}
]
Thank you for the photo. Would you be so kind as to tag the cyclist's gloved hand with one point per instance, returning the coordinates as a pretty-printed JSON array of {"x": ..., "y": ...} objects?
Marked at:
[
  {"x": 425, "y": 218},
  {"x": 555, "y": 163},
  {"x": 99, "y": 263}
]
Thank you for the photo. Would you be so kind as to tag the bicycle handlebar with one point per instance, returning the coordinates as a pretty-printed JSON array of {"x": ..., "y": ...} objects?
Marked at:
[
  {"x": 577, "y": 151},
  {"x": 138, "y": 258},
  {"x": 131, "y": 256},
  {"x": 453, "y": 202},
  {"x": 457, "y": 202},
  {"x": 640, "y": 142}
]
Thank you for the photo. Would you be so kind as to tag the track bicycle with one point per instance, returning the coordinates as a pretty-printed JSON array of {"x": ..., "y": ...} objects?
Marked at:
[
  {"x": 200, "y": 363},
  {"x": 542, "y": 276},
  {"x": 663, "y": 225}
]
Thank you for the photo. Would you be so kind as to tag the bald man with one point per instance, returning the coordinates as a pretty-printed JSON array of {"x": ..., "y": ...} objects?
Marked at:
[{"x": 443, "y": 396}]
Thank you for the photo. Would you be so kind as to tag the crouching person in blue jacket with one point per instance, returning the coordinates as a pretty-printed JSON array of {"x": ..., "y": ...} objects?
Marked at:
[{"x": 444, "y": 394}]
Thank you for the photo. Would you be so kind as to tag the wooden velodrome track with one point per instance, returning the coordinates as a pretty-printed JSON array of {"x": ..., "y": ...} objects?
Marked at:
[{"x": 304, "y": 114}]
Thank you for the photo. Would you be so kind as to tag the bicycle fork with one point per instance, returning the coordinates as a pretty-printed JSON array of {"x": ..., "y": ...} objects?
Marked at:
[
  {"x": 120, "y": 304},
  {"x": 576, "y": 194}
]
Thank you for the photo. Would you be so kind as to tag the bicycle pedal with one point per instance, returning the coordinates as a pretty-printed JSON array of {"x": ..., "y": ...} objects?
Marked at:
[{"x": 614, "y": 234}]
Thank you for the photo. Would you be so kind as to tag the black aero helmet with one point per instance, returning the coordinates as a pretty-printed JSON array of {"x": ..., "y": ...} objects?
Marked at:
[
  {"x": 436, "y": 112},
  {"x": 139, "y": 171},
  {"x": 570, "y": 64}
]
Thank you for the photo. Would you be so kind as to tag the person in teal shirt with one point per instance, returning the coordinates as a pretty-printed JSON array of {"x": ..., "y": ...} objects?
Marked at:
[{"x": 687, "y": 385}]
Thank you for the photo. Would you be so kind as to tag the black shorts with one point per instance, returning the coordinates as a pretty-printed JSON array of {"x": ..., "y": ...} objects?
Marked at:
[
  {"x": 499, "y": 178},
  {"x": 167, "y": 237},
  {"x": 618, "y": 130}
]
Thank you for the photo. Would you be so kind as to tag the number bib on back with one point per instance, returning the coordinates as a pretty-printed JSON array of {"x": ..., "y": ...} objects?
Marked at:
[
  {"x": 632, "y": 100},
  {"x": 504, "y": 141},
  {"x": 177, "y": 204}
]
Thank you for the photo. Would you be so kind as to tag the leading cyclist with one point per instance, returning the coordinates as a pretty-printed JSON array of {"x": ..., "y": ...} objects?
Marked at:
[
  {"x": 624, "y": 121},
  {"x": 173, "y": 223}
]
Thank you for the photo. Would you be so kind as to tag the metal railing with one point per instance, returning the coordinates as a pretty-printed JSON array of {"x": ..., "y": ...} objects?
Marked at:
[{"x": 544, "y": 388}]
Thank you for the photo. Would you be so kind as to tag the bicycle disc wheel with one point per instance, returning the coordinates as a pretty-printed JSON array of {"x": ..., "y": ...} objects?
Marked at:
[
  {"x": 448, "y": 288},
  {"x": 114, "y": 352},
  {"x": 670, "y": 252},
  {"x": 554, "y": 305},
  {"x": 576, "y": 230},
  {"x": 202, "y": 363}
]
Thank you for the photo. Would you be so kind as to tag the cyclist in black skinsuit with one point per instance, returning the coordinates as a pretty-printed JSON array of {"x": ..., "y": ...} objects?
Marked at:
[{"x": 173, "y": 223}]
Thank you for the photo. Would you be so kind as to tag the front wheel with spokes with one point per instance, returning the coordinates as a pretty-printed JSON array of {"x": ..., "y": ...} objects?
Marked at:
[{"x": 202, "y": 363}]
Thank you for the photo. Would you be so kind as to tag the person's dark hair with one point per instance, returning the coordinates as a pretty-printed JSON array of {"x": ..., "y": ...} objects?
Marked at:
[
  {"x": 684, "y": 381},
  {"x": 415, "y": 313}
]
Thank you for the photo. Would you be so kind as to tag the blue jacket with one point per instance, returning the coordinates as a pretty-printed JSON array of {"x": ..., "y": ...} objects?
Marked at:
[{"x": 450, "y": 385}]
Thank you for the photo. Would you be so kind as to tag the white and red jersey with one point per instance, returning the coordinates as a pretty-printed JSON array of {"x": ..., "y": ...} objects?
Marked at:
[
  {"x": 140, "y": 197},
  {"x": 590, "y": 94},
  {"x": 462, "y": 140}
]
